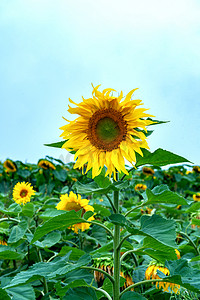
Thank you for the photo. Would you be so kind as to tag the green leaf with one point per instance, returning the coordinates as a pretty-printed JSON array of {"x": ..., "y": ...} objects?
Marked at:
[
  {"x": 60, "y": 222},
  {"x": 181, "y": 273},
  {"x": 49, "y": 270},
  {"x": 84, "y": 293},
  {"x": 99, "y": 209},
  {"x": 22, "y": 292},
  {"x": 51, "y": 239},
  {"x": 194, "y": 207},
  {"x": 50, "y": 213},
  {"x": 4, "y": 295},
  {"x": 158, "y": 158},
  {"x": 132, "y": 296},
  {"x": 23, "y": 173},
  {"x": 99, "y": 234},
  {"x": 7, "y": 252},
  {"x": 75, "y": 252},
  {"x": 93, "y": 187},
  {"x": 28, "y": 210},
  {"x": 162, "y": 194},
  {"x": 157, "y": 250},
  {"x": 118, "y": 219},
  {"x": 18, "y": 232},
  {"x": 60, "y": 175},
  {"x": 13, "y": 210},
  {"x": 56, "y": 145},
  {"x": 195, "y": 221},
  {"x": 160, "y": 229},
  {"x": 76, "y": 283}
]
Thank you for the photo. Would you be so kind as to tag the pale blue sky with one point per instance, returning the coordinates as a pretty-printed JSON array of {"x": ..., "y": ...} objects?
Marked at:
[{"x": 52, "y": 50}]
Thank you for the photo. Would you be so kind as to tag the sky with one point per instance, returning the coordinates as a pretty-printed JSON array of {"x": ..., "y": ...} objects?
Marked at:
[{"x": 52, "y": 50}]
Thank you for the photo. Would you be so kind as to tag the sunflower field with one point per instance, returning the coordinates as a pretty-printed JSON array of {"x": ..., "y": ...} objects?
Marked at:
[{"x": 98, "y": 228}]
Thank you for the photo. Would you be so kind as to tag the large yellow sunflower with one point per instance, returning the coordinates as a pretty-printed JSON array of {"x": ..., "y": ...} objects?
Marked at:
[
  {"x": 22, "y": 192},
  {"x": 45, "y": 164},
  {"x": 9, "y": 166},
  {"x": 108, "y": 129},
  {"x": 74, "y": 202}
]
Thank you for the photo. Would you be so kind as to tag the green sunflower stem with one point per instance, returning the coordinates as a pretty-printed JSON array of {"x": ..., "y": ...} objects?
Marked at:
[{"x": 116, "y": 241}]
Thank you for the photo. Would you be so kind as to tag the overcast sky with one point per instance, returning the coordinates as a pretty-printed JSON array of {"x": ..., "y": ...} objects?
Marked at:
[{"x": 52, "y": 50}]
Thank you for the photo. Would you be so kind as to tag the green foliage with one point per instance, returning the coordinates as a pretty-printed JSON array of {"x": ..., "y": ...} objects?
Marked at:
[{"x": 46, "y": 259}]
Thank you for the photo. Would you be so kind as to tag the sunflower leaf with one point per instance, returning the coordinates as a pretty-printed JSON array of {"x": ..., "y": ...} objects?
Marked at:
[
  {"x": 56, "y": 145},
  {"x": 162, "y": 194},
  {"x": 158, "y": 158}
]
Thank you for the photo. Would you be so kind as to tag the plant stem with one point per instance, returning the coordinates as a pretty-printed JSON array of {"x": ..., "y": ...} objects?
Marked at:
[
  {"x": 191, "y": 242},
  {"x": 111, "y": 203},
  {"x": 102, "y": 291},
  {"x": 133, "y": 168},
  {"x": 123, "y": 239},
  {"x": 134, "y": 208},
  {"x": 139, "y": 283},
  {"x": 101, "y": 225},
  {"x": 116, "y": 241},
  {"x": 9, "y": 219},
  {"x": 44, "y": 279}
]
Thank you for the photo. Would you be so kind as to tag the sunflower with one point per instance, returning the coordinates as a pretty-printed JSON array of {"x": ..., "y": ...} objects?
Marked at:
[
  {"x": 148, "y": 171},
  {"x": 107, "y": 130},
  {"x": 138, "y": 187},
  {"x": 151, "y": 273},
  {"x": 2, "y": 242},
  {"x": 196, "y": 169},
  {"x": 10, "y": 166},
  {"x": 178, "y": 254},
  {"x": 45, "y": 164},
  {"x": 196, "y": 197},
  {"x": 74, "y": 202},
  {"x": 128, "y": 281},
  {"x": 22, "y": 192}
]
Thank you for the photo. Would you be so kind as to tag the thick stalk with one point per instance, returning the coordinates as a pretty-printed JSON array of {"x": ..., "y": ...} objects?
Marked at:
[{"x": 116, "y": 241}]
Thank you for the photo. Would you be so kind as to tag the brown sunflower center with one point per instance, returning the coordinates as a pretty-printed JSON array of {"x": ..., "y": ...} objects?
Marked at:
[
  {"x": 10, "y": 165},
  {"x": 107, "y": 129},
  {"x": 23, "y": 193},
  {"x": 74, "y": 206}
]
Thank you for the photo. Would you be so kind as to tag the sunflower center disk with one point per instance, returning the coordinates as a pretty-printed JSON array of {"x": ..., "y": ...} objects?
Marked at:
[
  {"x": 106, "y": 129},
  {"x": 23, "y": 193}
]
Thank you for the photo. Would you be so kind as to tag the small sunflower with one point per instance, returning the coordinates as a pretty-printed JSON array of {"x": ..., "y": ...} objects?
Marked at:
[
  {"x": 22, "y": 192},
  {"x": 10, "y": 166},
  {"x": 148, "y": 171},
  {"x": 196, "y": 197},
  {"x": 138, "y": 187},
  {"x": 74, "y": 202},
  {"x": 178, "y": 254},
  {"x": 45, "y": 164},
  {"x": 2, "y": 242},
  {"x": 151, "y": 273},
  {"x": 128, "y": 281},
  {"x": 146, "y": 211},
  {"x": 196, "y": 169},
  {"x": 107, "y": 130}
]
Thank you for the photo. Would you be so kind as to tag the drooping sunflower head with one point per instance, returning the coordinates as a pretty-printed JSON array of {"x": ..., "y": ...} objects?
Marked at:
[
  {"x": 196, "y": 169},
  {"x": 2, "y": 242},
  {"x": 151, "y": 273},
  {"x": 196, "y": 197},
  {"x": 9, "y": 166},
  {"x": 108, "y": 129},
  {"x": 140, "y": 187},
  {"x": 45, "y": 164},
  {"x": 148, "y": 171},
  {"x": 22, "y": 192},
  {"x": 74, "y": 202}
]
